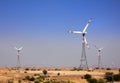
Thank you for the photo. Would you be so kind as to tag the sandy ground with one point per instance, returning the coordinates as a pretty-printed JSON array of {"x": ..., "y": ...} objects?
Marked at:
[{"x": 65, "y": 74}]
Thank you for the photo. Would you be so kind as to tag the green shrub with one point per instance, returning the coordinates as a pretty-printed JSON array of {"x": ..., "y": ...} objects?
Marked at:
[
  {"x": 27, "y": 77},
  {"x": 35, "y": 74},
  {"x": 41, "y": 78},
  {"x": 27, "y": 69},
  {"x": 108, "y": 68},
  {"x": 30, "y": 78},
  {"x": 44, "y": 72},
  {"x": 37, "y": 81},
  {"x": 87, "y": 76},
  {"x": 33, "y": 69},
  {"x": 53, "y": 82},
  {"x": 109, "y": 76},
  {"x": 58, "y": 74},
  {"x": 116, "y": 77},
  {"x": 74, "y": 68},
  {"x": 92, "y": 80}
]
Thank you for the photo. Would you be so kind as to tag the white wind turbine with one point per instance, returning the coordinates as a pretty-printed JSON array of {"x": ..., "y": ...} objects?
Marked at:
[
  {"x": 18, "y": 56},
  {"x": 84, "y": 44},
  {"x": 99, "y": 56}
]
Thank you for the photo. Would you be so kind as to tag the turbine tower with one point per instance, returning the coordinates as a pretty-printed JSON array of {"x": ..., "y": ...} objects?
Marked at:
[
  {"x": 99, "y": 56},
  {"x": 83, "y": 60},
  {"x": 18, "y": 56}
]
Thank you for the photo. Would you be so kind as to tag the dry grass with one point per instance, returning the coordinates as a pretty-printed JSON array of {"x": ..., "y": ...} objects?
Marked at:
[{"x": 65, "y": 74}]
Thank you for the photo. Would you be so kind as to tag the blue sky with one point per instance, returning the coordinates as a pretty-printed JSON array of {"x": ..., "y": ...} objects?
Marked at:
[{"x": 41, "y": 27}]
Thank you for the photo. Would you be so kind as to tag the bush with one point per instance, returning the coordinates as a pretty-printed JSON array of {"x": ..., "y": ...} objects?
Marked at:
[
  {"x": 108, "y": 68},
  {"x": 116, "y": 77},
  {"x": 92, "y": 80},
  {"x": 44, "y": 72},
  {"x": 53, "y": 82},
  {"x": 36, "y": 74},
  {"x": 37, "y": 81},
  {"x": 27, "y": 69},
  {"x": 56, "y": 69},
  {"x": 33, "y": 69},
  {"x": 29, "y": 78},
  {"x": 58, "y": 74},
  {"x": 40, "y": 78},
  {"x": 74, "y": 68},
  {"x": 87, "y": 76},
  {"x": 109, "y": 76},
  {"x": 32, "y": 79}
]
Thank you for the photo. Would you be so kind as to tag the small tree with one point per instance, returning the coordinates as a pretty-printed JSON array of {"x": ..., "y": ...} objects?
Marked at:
[{"x": 45, "y": 72}]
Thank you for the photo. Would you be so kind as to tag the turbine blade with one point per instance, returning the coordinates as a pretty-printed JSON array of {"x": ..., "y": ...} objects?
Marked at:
[
  {"x": 96, "y": 47},
  {"x": 84, "y": 30},
  {"x": 86, "y": 42},
  {"x": 76, "y": 32},
  {"x": 101, "y": 48},
  {"x": 15, "y": 48},
  {"x": 20, "y": 48}
]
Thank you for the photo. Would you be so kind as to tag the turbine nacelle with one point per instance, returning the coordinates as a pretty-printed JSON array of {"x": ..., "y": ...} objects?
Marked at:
[
  {"x": 100, "y": 49},
  {"x": 18, "y": 49},
  {"x": 83, "y": 33}
]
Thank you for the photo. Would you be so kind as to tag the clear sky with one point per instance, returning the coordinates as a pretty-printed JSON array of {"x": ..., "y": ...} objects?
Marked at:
[{"x": 41, "y": 27}]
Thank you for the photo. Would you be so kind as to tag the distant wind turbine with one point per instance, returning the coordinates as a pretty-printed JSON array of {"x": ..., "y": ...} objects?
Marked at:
[
  {"x": 99, "y": 56},
  {"x": 18, "y": 56}
]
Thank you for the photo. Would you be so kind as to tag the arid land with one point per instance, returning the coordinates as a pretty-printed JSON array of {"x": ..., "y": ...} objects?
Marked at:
[{"x": 68, "y": 74}]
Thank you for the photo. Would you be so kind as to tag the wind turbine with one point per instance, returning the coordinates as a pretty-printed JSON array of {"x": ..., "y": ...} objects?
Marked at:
[
  {"x": 83, "y": 60},
  {"x": 18, "y": 56},
  {"x": 99, "y": 56}
]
